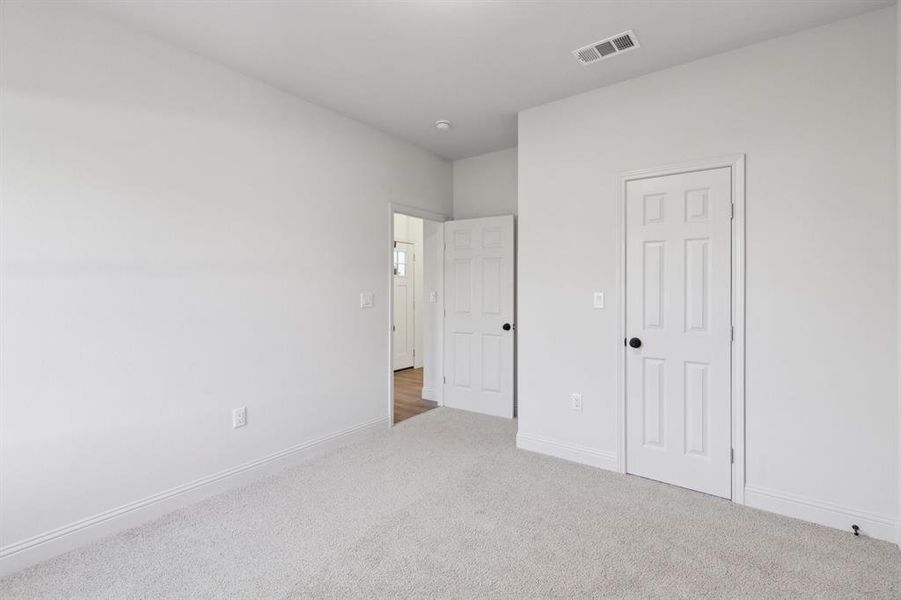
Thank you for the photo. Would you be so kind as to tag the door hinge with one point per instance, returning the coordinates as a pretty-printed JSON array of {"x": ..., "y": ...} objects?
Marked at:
[
  {"x": 444, "y": 380},
  {"x": 732, "y": 333},
  {"x": 732, "y": 456},
  {"x": 395, "y": 244},
  {"x": 732, "y": 211}
]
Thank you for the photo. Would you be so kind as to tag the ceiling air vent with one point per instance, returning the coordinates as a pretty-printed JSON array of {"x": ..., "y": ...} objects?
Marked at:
[{"x": 612, "y": 46}]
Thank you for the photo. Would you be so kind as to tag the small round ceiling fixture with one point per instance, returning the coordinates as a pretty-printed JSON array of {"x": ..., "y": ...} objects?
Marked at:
[{"x": 442, "y": 125}]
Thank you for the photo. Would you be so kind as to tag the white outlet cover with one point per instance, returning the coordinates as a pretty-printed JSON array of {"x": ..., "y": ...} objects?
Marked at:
[
  {"x": 239, "y": 417},
  {"x": 599, "y": 299},
  {"x": 433, "y": 297},
  {"x": 367, "y": 299},
  {"x": 576, "y": 401}
]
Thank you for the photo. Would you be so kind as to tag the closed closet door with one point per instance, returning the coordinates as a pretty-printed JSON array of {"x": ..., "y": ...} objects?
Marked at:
[{"x": 679, "y": 329}]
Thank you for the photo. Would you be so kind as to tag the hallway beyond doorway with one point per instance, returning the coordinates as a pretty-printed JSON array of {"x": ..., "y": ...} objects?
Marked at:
[{"x": 408, "y": 401}]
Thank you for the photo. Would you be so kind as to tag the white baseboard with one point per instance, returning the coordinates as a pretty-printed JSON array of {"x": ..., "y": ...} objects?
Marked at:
[
  {"x": 871, "y": 525},
  {"x": 566, "y": 451},
  {"x": 18, "y": 555}
]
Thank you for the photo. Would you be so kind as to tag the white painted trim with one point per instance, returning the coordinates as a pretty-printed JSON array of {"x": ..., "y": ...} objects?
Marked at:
[
  {"x": 825, "y": 513},
  {"x": 736, "y": 163},
  {"x": 410, "y": 211},
  {"x": 738, "y": 322},
  {"x": 23, "y": 553},
  {"x": 567, "y": 451}
]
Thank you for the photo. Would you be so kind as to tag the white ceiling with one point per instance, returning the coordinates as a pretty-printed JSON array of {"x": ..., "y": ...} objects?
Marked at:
[{"x": 399, "y": 66}]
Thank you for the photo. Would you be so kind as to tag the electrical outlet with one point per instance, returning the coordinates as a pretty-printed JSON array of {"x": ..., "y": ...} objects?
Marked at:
[
  {"x": 239, "y": 417},
  {"x": 576, "y": 401},
  {"x": 367, "y": 299}
]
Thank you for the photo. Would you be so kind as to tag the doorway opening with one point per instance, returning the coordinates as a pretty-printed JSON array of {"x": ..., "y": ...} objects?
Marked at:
[
  {"x": 417, "y": 317},
  {"x": 450, "y": 314}
]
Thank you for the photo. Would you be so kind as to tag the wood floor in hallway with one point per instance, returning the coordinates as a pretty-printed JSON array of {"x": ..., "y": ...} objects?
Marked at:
[{"x": 408, "y": 400}]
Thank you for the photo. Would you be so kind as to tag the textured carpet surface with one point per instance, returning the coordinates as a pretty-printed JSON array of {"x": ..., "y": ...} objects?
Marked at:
[{"x": 444, "y": 506}]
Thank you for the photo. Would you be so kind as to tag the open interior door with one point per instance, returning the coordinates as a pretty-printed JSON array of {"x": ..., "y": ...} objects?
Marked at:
[
  {"x": 404, "y": 323},
  {"x": 479, "y": 321}
]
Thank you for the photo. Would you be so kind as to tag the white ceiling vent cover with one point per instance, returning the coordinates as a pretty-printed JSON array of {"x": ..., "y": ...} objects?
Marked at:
[{"x": 612, "y": 46}]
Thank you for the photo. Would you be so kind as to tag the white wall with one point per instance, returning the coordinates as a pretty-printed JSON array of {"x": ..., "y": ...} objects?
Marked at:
[
  {"x": 816, "y": 118},
  {"x": 485, "y": 185},
  {"x": 898, "y": 175},
  {"x": 164, "y": 261}
]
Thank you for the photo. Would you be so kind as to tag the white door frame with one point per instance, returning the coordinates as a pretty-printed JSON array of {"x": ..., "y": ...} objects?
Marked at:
[
  {"x": 736, "y": 163},
  {"x": 410, "y": 211}
]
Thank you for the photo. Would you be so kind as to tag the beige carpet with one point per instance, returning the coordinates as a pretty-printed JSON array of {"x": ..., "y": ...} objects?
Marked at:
[{"x": 444, "y": 506}]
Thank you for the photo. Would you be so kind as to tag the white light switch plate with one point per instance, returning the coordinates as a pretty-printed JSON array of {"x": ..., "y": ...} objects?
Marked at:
[
  {"x": 433, "y": 297},
  {"x": 575, "y": 401},
  {"x": 367, "y": 299},
  {"x": 599, "y": 299}
]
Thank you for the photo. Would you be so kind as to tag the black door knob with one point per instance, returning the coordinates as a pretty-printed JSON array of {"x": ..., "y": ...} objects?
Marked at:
[
  {"x": 507, "y": 327},
  {"x": 635, "y": 343}
]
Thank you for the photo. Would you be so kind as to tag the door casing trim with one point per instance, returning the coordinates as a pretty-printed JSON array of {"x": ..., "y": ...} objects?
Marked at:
[{"x": 736, "y": 162}]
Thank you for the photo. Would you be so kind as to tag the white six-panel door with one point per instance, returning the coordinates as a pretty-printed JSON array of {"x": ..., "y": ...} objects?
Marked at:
[
  {"x": 404, "y": 322},
  {"x": 479, "y": 304},
  {"x": 678, "y": 305}
]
